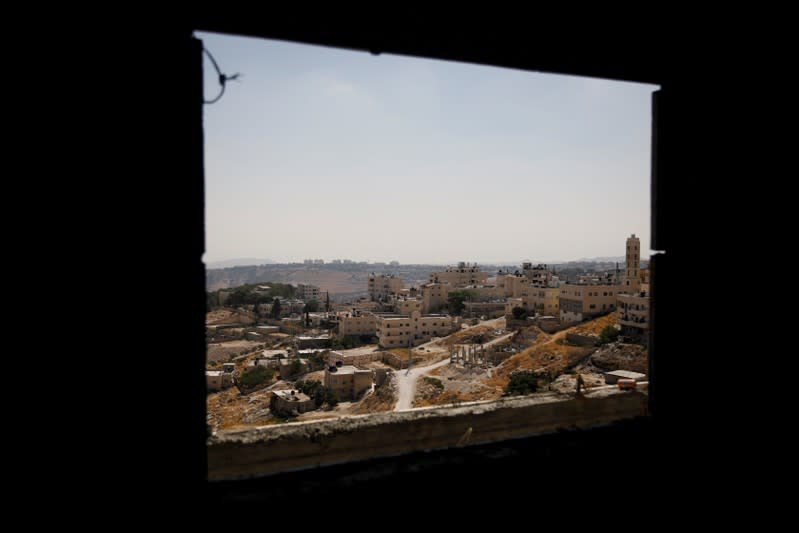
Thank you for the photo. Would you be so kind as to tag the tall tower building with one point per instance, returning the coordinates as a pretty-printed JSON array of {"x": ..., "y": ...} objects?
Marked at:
[{"x": 631, "y": 273}]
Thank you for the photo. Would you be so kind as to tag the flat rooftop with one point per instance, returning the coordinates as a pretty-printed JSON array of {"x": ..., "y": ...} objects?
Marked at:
[
  {"x": 626, "y": 374},
  {"x": 349, "y": 369},
  {"x": 273, "y": 353},
  {"x": 296, "y": 397}
]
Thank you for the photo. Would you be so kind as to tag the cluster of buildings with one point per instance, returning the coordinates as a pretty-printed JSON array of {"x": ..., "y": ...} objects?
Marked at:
[
  {"x": 401, "y": 316},
  {"x": 347, "y": 382},
  {"x": 406, "y": 317}
]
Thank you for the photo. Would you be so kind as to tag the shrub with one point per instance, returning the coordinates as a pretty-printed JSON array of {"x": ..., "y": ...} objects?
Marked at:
[
  {"x": 318, "y": 392},
  {"x": 519, "y": 313},
  {"x": 609, "y": 334},
  {"x": 256, "y": 376},
  {"x": 521, "y": 383},
  {"x": 434, "y": 382}
]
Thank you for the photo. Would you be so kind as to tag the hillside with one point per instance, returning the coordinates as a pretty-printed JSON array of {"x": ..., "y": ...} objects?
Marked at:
[
  {"x": 550, "y": 352},
  {"x": 547, "y": 354}
]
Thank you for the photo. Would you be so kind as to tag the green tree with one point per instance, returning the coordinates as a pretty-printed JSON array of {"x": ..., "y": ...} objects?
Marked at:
[
  {"x": 254, "y": 377},
  {"x": 519, "y": 313},
  {"x": 295, "y": 367},
  {"x": 276, "y": 308},
  {"x": 456, "y": 299},
  {"x": 311, "y": 306},
  {"x": 211, "y": 300},
  {"x": 609, "y": 334}
]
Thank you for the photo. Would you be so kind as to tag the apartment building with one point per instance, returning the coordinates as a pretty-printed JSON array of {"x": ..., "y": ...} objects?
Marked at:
[
  {"x": 347, "y": 381},
  {"x": 307, "y": 293},
  {"x": 406, "y": 306},
  {"x": 434, "y": 295},
  {"x": 514, "y": 285},
  {"x": 489, "y": 309},
  {"x": 634, "y": 316},
  {"x": 460, "y": 276},
  {"x": 484, "y": 293},
  {"x": 580, "y": 302},
  {"x": 394, "y": 331},
  {"x": 539, "y": 275},
  {"x": 541, "y": 300},
  {"x": 381, "y": 286},
  {"x": 357, "y": 324}
]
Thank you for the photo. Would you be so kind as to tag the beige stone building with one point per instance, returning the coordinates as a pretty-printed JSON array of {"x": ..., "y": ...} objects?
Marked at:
[
  {"x": 357, "y": 359},
  {"x": 634, "y": 315},
  {"x": 644, "y": 277},
  {"x": 484, "y": 293},
  {"x": 381, "y": 286},
  {"x": 632, "y": 279},
  {"x": 539, "y": 275},
  {"x": 580, "y": 302},
  {"x": 357, "y": 324},
  {"x": 360, "y": 305},
  {"x": 510, "y": 303},
  {"x": 308, "y": 292},
  {"x": 288, "y": 402},
  {"x": 490, "y": 309},
  {"x": 434, "y": 295},
  {"x": 540, "y": 300},
  {"x": 395, "y": 331},
  {"x": 218, "y": 380},
  {"x": 347, "y": 381},
  {"x": 516, "y": 285},
  {"x": 406, "y": 306},
  {"x": 543, "y": 300},
  {"x": 460, "y": 276}
]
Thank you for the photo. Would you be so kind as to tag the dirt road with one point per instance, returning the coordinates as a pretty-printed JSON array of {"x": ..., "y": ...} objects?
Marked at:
[{"x": 406, "y": 379}]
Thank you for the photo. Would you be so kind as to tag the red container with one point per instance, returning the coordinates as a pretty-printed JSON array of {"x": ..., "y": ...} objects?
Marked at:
[{"x": 626, "y": 384}]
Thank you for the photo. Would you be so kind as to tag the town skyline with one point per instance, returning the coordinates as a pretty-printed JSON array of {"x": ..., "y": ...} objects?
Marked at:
[{"x": 232, "y": 262}]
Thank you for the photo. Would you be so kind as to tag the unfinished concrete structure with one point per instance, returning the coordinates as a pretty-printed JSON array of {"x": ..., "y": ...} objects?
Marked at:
[{"x": 478, "y": 355}]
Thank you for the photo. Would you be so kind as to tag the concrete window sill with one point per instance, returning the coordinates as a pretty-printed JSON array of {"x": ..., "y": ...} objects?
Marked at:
[{"x": 296, "y": 446}]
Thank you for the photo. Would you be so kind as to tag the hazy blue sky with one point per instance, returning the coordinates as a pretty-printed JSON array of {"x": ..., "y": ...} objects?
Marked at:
[{"x": 327, "y": 153}]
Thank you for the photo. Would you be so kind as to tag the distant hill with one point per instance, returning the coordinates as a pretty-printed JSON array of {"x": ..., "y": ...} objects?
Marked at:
[
  {"x": 619, "y": 258},
  {"x": 244, "y": 261}
]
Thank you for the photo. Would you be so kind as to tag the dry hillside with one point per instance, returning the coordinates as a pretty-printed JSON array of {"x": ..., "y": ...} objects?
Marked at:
[{"x": 550, "y": 352}]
